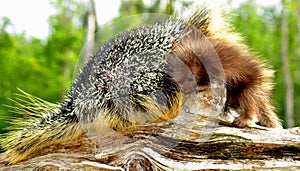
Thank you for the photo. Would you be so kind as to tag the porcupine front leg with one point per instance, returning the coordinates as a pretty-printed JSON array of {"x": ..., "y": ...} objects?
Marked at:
[{"x": 249, "y": 109}]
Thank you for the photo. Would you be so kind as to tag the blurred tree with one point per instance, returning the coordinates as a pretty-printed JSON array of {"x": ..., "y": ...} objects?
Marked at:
[
  {"x": 64, "y": 43},
  {"x": 91, "y": 28},
  {"x": 294, "y": 15},
  {"x": 289, "y": 90}
]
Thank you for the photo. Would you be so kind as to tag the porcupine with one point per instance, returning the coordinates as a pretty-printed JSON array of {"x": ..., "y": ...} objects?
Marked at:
[{"x": 107, "y": 91}]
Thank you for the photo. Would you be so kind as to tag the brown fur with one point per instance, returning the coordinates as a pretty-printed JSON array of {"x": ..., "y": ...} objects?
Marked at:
[{"x": 248, "y": 79}]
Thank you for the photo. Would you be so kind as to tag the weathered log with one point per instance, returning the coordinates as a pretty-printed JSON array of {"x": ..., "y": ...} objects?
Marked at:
[
  {"x": 173, "y": 146},
  {"x": 192, "y": 141}
]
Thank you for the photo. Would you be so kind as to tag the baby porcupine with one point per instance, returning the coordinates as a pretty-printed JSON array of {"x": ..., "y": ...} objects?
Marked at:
[{"x": 128, "y": 82}]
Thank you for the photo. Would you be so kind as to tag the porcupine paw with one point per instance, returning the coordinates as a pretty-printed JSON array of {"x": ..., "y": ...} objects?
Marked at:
[{"x": 243, "y": 122}]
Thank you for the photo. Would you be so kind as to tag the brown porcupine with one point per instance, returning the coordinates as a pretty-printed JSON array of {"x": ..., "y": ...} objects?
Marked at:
[{"x": 125, "y": 83}]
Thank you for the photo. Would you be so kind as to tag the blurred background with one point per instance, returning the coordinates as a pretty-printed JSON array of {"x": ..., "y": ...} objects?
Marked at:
[{"x": 40, "y": 42}]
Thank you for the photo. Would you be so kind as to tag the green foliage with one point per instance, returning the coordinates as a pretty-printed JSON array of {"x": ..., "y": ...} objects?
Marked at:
[{"x": 39, "y": 66}]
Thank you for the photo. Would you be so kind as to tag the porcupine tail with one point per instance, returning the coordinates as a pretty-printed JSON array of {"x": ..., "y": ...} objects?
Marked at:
[{"x": 43, "y": 124}]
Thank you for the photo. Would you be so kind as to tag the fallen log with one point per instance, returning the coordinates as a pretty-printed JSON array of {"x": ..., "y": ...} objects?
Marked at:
[{"x": 173, "y": 146}]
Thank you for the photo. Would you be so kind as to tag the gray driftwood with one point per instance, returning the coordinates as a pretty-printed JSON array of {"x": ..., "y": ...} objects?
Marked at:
[
  {"x": 189, "y": 142},
  {"x": 170, "y": 146}
]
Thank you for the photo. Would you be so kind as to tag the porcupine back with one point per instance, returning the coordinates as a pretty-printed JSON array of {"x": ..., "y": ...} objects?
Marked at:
[{"x": 127, "y": 81}]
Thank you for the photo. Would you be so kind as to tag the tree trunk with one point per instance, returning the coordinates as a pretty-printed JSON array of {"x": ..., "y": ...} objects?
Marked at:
[
  {"x": 297, "y": 50},
  {"x": 289, "y": 90},
  {"x": 297, "y": 15},
  {"x": 66, "y": 72},
  {"x": 67, "y": 51},
  {"x": 91, "y": 28}
]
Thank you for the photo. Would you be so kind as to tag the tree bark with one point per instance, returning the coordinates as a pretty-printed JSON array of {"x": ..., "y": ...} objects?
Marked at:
[{"x": 289, "y": 89}]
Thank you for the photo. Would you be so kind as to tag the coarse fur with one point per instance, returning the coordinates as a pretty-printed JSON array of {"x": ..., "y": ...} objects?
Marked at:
[{"x": 127, "y": 82}]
